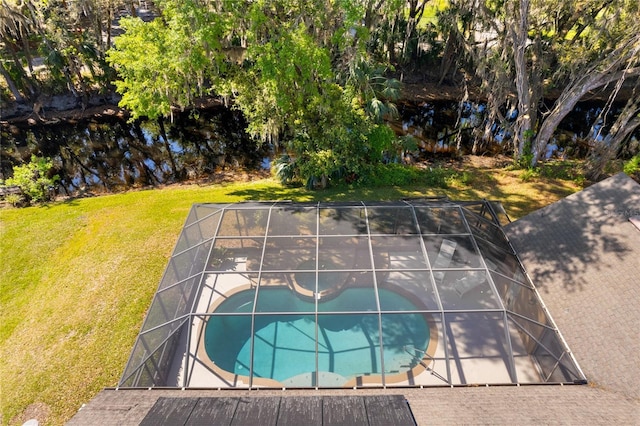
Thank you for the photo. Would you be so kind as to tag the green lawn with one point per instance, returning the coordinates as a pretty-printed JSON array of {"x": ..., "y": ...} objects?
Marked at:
[{"x": 77, "y": 277}]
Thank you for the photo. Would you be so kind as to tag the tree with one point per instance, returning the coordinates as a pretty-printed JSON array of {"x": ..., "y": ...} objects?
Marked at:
[
  {"x": 146, "y": 58},
  {"x": 415, "y": 12},
  {"x": 68, "y": 35},
  {"x": 323, "y": 111},
  {"x": 605, "y": 150},
  {"x": 372, "y": 89},
  {"x": 289, "y": 88},
  {"x": 616, "y": 65},
  {"x": 527, "y": 101},
  {"x": 520, "y": 49},
  {"x": 14, "y": 32},
  {"x": 13, "y": 88},
  {"x": 169, "y": 61},
  {"x": 300, "y": 79}
]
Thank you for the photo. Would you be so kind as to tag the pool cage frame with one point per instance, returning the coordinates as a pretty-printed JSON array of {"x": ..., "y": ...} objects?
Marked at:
[{"x": 462, "y": 239}]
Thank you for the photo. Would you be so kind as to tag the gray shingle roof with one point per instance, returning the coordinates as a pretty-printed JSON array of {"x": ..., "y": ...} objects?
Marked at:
[
  {"x": 505, "y": 405},
  {"x": 583, "y": 255}
]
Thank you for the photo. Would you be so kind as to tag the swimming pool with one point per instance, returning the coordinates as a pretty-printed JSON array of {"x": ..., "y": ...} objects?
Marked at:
[{"x": 341, "y": 347}]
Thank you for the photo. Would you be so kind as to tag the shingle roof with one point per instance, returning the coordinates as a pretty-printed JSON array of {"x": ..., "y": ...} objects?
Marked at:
[
  {"x": 583, "y": 255},
  {"x": 506, "y": 405}
]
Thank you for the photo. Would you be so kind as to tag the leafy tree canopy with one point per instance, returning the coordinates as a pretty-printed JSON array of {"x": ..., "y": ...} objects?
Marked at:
[{"x": 299, "y": 78}]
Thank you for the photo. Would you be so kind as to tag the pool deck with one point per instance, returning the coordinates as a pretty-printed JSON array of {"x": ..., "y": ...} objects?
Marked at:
[
  {"x": 471, "y": 362},
  {"x": 588, "y": 283}
]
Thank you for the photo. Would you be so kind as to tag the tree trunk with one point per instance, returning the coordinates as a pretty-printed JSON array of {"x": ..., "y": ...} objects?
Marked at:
[
  {"x": 165, "y": 139},
  {"x": 27, "y": 54},
  {"x": 132, "y": 9},
  {"x": 391, "y": 43},
  {"x": 448, "y": 55},
  {"x": 11, "y": 84},
  {"x": 589, "y": 81},
  {"x": 23, "y": 78},
  {"x": 603, "y": 152},
  {"x": 416, "y": 9},
  {"x": 42, "y": 33},
  {"x": 519, "y": 38},
  {"x": 109, "y": 23}
]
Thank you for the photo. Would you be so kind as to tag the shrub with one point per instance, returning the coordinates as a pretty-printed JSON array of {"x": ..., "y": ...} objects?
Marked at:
[
  {"x": 439, "y": 177},
  {"x": 285, "y": 169},
  {"x": 632, "y": 166},
  {"x": 392, "y": 174},
  {"x": 14, "y": 199},
  {"x": 32, "y": 178},
  {"x": 318, "y": 167},
  {"x": 380, "y": 140},
  {"x": 525, "y": 160},
  {"x": 530, "y": 173},
  {"x": 460, "y": 179}
]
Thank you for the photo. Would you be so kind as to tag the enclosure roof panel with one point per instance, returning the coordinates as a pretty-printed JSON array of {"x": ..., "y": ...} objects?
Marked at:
[{"x": 420, "y": 291}]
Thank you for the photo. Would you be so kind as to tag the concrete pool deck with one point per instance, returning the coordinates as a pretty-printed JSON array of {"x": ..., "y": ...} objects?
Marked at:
[{"x": 469, "y": 359}]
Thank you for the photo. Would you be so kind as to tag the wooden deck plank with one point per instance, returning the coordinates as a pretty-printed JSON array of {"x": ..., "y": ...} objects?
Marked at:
[{"x": 169, "y": 411}]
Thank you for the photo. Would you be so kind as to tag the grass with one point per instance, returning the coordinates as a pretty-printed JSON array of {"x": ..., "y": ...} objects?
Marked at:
[
  {"x": 78, "y": 276},
  {"x": 632, "y": 166},
  {"x": 430, "y": 15}
]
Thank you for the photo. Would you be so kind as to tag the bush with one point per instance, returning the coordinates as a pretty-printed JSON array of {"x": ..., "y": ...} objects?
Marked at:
[
  {"x": 380, "y": 140},
  {"x": 395, "y": 174},
  {"x": 32, "y": 178},
  {"x": 285, "y": 169},
  {"x": 525, "y": 161},
  {"x": 15, "y": 200},
  {"x": 460, "y": 179},
  {"x": 318, "y": 167},
  {"x": 529, "y": 174},
  {"x": 440, "y": 177},
  {"x": 632, "y": 166},
  {"x": 392, "y": 174}
]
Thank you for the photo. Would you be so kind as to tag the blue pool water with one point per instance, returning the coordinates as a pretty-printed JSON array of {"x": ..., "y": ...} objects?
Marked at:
[{"x": 348, "y": 345}]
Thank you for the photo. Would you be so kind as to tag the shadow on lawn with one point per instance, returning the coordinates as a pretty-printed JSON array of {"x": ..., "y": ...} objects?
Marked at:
[{"x": 338, "y": 193}]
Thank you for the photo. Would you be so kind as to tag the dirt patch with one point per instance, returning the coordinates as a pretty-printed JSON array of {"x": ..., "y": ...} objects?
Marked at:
[
  {"x": 227, "y": 176},
  {"x": 431, "y": 91},
  {"x": 38, "y": 410},
  {"x": 466, "y": 162},
  {"x": 481, "y": 162},
  {"x": 428, "y": 90}
]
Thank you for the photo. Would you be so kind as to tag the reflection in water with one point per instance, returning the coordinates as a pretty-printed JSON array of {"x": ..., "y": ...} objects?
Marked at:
[
  {"x": 454, "y": 127},
  {"x": 112, "y": 154}
]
